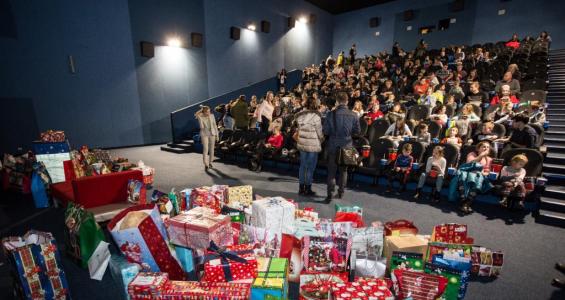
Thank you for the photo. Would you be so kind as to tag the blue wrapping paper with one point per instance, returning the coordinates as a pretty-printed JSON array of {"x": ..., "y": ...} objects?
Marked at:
[{"x": 123, "y": 272}]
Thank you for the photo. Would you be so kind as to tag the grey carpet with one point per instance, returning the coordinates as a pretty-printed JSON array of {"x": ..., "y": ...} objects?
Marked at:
[{"x": 530, "y": 249}]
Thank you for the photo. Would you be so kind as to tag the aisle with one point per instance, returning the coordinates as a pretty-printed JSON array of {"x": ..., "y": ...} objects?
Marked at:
[{"x": 530, "y": 249}]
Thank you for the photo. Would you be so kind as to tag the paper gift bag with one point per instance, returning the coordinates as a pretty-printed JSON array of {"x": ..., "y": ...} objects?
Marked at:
[
  {"x": 176, "y": 290},
  {"x": 408, "y": 243},
  {"x": 457, "y": 280},
  {"x": 137, "y": 192},
  {"x": 39, "y": 191},
  {"x": 148, "y": 285},
  {"x": 486, "y": 262},
  {"x": 186, "y": 259},
  {"x": 231, "y": 264},
  {"x": 450, "y": 233},
  {"x": 326, "y": 254},
  {"x": 199, "y": 226},
  {"x": 240, "y": 196},
  {"x": 367, "y": 266},
  {"x": 291, "y": 249},
  {"x": 98, "y": 261},
  {"x": 271, "y": 281},
  {"x": 266, "y": 242},
  {"x": 368, "y": 241},
  {"x": 36, "y": 263},
  {"x": 123, "y": 272},
  {"x": 213, "y": 197},
  {"x": 275, "y": 213},
  {"x": 140, "y": 235},
  {"x": 82, "y": 233},
  {"x": 408, "y": 283}
]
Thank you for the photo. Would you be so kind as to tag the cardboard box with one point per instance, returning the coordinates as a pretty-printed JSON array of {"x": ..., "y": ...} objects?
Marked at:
[{"x": 407, "y": 243}]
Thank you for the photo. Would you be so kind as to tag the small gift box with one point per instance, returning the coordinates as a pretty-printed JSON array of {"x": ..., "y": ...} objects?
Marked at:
[
  {"x": 240, "y": 196},
  {"x": 449, "y": 233},
  {"x": 486, "y": 262},
  {"x": 212, "y": 197},
  {"x": 233, "y": 263},
  {"x": 52, "y": 136},
  {"x": 318, "y": 286},
  {"x": 362, "y": 288},
  {"x": 175, "y": 290},
  {"x": 147, "y": 285},
  {"x": 123, "y": 272},
  {"x": 274, "y": 213},
  {"x": 437, "y": 248},
  {"x": 199, "y": 226},
  {"x": 271, "y": 282}
]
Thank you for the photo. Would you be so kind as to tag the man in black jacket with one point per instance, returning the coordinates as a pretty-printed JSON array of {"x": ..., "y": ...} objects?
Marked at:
[{"x": 340, "y": 128}]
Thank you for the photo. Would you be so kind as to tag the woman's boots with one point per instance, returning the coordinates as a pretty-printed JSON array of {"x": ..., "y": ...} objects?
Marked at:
[{"x": 306, "y": 190}]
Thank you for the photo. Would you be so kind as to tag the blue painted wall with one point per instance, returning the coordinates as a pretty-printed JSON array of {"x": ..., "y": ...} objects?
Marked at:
[{"x": 478, "y": 23}]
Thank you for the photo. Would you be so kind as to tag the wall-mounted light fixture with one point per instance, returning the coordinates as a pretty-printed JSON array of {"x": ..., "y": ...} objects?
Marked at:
[
  {"x": 174, "y": 42},
  {"x": 303, "y": 20},
  {"x": 251, "y": 27}
]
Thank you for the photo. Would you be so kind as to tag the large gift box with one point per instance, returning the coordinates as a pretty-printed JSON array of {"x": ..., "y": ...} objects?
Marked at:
[
  {"x": 408, "y": 243},
  {"x": 199, "y": 226},
  {"x": 148, "y": 285},
  {"x": 233, "y": 263},
  {"x": 274, "y": 213},
  {"x": 176, "y": 290},
  {"x": 362, "y": 289},
  {"x": 53, "y": 156},
  {"x": 123, "y": 272},
  {"x": 209, "y": 196},
  {"x": 271, "y": 281},
  {"x": 36, "y": 266},
  {"x": 240, "y": 196},
  {"x": 141, "y": 236}
]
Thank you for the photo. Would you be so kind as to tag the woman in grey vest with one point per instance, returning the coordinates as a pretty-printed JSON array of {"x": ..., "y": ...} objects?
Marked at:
[{"x": 208, "y": 134}]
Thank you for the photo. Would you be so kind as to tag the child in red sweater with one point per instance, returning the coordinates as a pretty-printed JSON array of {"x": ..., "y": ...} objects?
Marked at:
[{"x": 273, "y": 144}]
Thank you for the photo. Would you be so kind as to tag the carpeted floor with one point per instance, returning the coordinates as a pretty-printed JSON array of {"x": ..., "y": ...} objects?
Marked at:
[{"x": 530, "y": 249}]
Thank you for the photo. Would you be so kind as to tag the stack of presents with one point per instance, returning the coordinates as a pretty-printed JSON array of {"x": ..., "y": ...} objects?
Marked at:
[{"x": 224, "y": 242}]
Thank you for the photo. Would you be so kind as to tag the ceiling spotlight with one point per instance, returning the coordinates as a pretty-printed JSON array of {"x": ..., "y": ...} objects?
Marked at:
[
  {"x": 174, "y": 42},
  {"x": 303, "y": 20},
  {"x": 251, "y": 27}
]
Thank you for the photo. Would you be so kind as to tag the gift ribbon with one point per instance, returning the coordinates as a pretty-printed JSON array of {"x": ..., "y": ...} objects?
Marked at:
[{"x": 225, "y": 257}]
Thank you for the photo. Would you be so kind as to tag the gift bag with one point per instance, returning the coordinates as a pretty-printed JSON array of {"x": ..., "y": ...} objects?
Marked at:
[
  {"x": 36, "y": 263},
  {"x": 326, "y": 254},
  {"x": 368, "y": 241},
  {"x": 141, "y": 236},
  {"x": 40, "y": 182},
  {"x": 240, "y": 196},
  {"x": 82, "y": 233},
  {"x": 186, "y": 259},
  {"x": 137, "y": 192},
  {"x": 363, "y": 265},
  {"x": 426, "y": 286},
  {"x": 163, "y": 202},
  {"x": 266, "y": 242},
  {"x": 123, "y": 272},
  {"x": 486, "y": 262},
  {"x": 291, "y": 249},
  {"x": 457, "y": 280},
  {"x": 98, "y": 261}
]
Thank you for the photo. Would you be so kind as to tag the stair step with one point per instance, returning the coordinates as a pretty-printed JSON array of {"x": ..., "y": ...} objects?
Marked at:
[
  {"x": 554, "y": 140},
  {"x": 553, "y": 157},
  {"x": 554, "y": 168},
  {"x": 185, "y": 146},
  {"x": 555, "y": 191},
  {"x": 551, "y": 218},
  {"x": 551, "y": 147},
  {"x": 551, "y": 204},
  {"x": 173, "y": 150},
  {"x": 553, "y": 122}
]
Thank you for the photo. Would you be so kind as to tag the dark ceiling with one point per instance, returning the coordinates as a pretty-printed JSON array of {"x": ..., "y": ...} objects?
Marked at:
[{"x": 341, "y": 6}]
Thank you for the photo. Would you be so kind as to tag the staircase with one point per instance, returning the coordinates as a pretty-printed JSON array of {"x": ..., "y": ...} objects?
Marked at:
[
  {"x": 184, "y": 146},
  {"x": 552, "y": 204}
]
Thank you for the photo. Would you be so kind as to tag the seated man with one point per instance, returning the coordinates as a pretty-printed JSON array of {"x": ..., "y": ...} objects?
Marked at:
[
  {"x": 523, "y": 136},
  {"x": 507, "y": 79},
  {"x": 475, "y": 95}
]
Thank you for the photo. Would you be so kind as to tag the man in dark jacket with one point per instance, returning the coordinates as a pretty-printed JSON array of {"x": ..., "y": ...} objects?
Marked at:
[
  {"x": 523, "y": 136},
  {"x": 340, "y": 125},
  {"x": 240, "y": 113}
]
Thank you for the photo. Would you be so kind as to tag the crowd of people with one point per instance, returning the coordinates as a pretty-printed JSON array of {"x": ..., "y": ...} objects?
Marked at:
[{"x": 452, "y": 97}]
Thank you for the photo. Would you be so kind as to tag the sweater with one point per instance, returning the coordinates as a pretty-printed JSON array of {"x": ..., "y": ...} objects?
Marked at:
[
  {"x": 276, "y": 141},
  {"x": 440, "y": 164},
  {"x": 266, "y": 110},
  {"x": 508, "y": 171}
]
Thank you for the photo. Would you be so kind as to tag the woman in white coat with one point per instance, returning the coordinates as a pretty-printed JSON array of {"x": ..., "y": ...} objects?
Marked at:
[{"x": 208, "y": 134}]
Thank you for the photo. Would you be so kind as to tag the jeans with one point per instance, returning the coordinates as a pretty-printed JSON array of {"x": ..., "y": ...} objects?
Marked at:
[
  {"x": 308, "y": 161},
  {"x": 208, "y": 143},
  {"x": 439, "y": 181},
  {"x": 332, "y": 169}
]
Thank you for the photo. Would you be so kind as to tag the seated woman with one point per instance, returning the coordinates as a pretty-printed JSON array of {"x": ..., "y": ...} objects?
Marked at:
[
  {"x": 273, "y": 144},
  {"x": 358, "y": 108},
  {"x": 453, "y": 137},
  {"x": 439, "y": 115},
  {"x": 435, "y": 168},
  {"x": 472, "y": 175},
  {"x": 401, "y": 169},
  {"x": 512, "y": 181},
  {"x": 397, "y": 131}
]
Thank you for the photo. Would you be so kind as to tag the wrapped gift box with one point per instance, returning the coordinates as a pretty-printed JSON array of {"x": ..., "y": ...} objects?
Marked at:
[
  {"x": 362, "y": 288},
  {"x": 449, "y": 233},
  {"x": 408, "y": 283},
  {"x": 213, "y": 197},
  {"x": 449, "y": 249},
  {"x": 318, "y": 286},
  {"x": 407, "y": 243},
  {"x": 486, "y": 262},
  {"x": 274, "y": 213},
  {"x": 266, "y": 242},
  {"x": 406, "y": 260},
  {"x": 52, "y": 136},
  {"x": 176, "y": 290},
  {"x": 123, "y": 272},
  {"x": 233, "y": 263},
  {"x": 36, "y": 262},
  {"x": 271, "y": 281},
  {"x": 199, "y": 226},
  {"x": 147, "y": 285},
  {"x": 400, "y": 227},
  {"x": 240, "y": 196},
  {"x": 140, "y": 234},
  {"x": 53, "y": 156}
]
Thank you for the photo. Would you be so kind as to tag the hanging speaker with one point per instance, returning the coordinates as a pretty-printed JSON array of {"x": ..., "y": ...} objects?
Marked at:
[
  {"x": 408, "y": 15},
  {"x": 234, "y": 33},
  {"x": 374, "y": 22},
  {"x": 265, "y": 26},
  {"x": 457, "y": 5},
  {"x": 147, "y": 49},
  {"x": 196, "y": 39},
  {"x": 290, "y": 22}
]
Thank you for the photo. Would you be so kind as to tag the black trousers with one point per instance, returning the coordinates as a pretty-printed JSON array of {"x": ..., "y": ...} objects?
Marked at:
[
  {"x": 265, "y": 124},
  {"x": 332, "y": 169}
]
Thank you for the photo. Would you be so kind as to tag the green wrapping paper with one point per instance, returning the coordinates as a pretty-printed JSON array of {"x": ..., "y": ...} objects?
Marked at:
[
  {"x": 272, "y": 279},
  {"x": 82, "y": 232},
  {"x": 406, "y": 260}
]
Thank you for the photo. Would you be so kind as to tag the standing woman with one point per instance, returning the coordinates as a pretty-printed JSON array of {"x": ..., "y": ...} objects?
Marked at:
[
  {"x": 264, "y": 112},
  {"x": 309, "y": 143},
  {"x": 208, "y": 134}
]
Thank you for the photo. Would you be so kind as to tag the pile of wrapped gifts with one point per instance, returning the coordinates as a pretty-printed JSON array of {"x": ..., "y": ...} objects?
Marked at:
[{"x": 224, "y": 242}]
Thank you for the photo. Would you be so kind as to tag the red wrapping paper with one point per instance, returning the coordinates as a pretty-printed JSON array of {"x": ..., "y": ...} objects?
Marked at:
[
  {"x": 418, "y": 285},
  {"x": 450, "y": 233},
  {"x": 206, "y": 290},
  {"x": 214, "y": 269},
  {"x": 213, "y": 197},
  {"x": 197, "y": 227},
  {"x": 362, "y": 289},
  {"x": 147, "y": 285}
]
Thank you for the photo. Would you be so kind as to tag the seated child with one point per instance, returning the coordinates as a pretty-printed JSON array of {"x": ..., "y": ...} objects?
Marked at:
[
  {"x": 401, "y": 169},
  {"x": 453, "y": 137},
  {"x": 424, "y": 136},
  {"x": 538, "y": 115},
  {"x": 486, "y": 133},
  {"x": 273, "y": 144},
  {"x": 512, "y": 181},
  {"x": 397, "y": 131},
  {"x": 435, "y": 168},
  {"x": 439, "y": 116}
]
